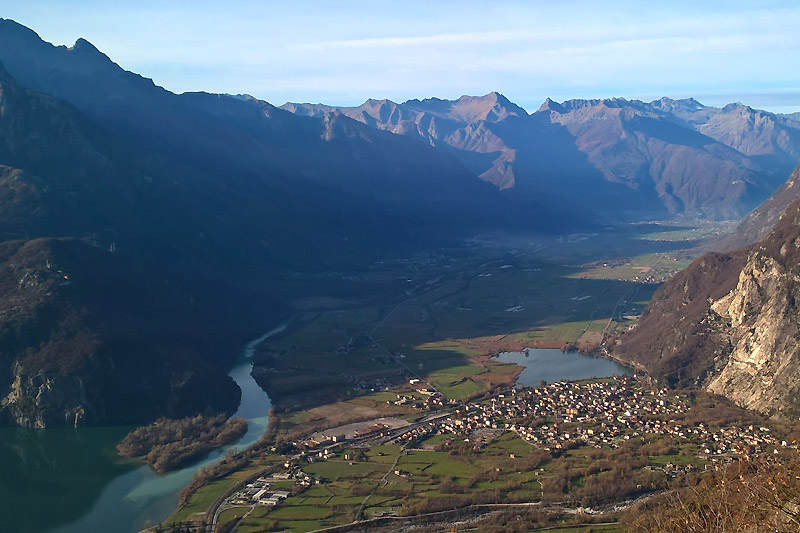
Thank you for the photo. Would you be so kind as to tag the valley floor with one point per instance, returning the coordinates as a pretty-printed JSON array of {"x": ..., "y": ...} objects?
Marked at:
[{"x": 443, "y": 427}]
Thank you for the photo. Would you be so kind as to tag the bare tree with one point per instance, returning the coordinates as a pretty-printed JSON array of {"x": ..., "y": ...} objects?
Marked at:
[{"x": 755, "y": 495}]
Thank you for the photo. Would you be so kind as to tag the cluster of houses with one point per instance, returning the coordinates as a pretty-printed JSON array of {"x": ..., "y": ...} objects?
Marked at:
[
  {"x": 415, "y": 433},
  {"x": 598, "y": 413},
  {"x": 603, "y": 413},
  {"x": 429, "y": 399}
]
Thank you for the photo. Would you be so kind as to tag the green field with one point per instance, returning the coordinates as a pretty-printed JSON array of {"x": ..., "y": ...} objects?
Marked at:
[
  {"x": 201, "y": 500},
  {"x": 459, "y": 389},
  {"x": 337, "y": 470}
]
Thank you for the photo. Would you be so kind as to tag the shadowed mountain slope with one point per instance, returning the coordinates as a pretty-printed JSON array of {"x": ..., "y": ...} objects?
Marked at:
[{"x": 147, "y": 235}]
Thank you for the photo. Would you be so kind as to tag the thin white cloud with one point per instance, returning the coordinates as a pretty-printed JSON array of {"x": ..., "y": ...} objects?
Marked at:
[
  {"x": 780, "y": 23},
  {"x": 424, "y": 40}
]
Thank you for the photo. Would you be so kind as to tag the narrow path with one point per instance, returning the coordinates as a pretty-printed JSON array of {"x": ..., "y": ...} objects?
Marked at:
[{"x": 581, "y": 334}]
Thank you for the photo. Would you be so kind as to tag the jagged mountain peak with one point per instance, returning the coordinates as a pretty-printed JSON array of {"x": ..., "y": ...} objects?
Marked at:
[
  {"x": 85, "y": 48},
  {"x": 376, "y": 101},
  {"x": 494, "y": 97},
  {"x": 306, "y": 109},
  {"x": 27, "y": 45},
  {"x": 549, "y": 105},
  {"x": 568, "y": 106},
  {"x": 380, "y": 109},
  {"x": 12, "y": 27},
  {"x": 663, "y": 104},
  {"x": 737, "y": 107},
  {"x": 80, "y": 71},
  {"x": 491, "y": 107},
  {"x": 666, "y": 103}
]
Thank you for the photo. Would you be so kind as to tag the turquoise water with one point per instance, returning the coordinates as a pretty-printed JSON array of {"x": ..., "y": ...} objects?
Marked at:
[
  {"x": 554, "y": 365},
  {"x": 72, "y": 481}
]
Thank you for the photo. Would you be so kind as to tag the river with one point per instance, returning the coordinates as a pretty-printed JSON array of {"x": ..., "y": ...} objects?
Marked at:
[
  {"x": 70, "y": 480},
  {"x": 542, "y": 364}
]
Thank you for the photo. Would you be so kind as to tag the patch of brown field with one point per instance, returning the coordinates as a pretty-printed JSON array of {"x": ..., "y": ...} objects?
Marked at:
[
  {"x": 340, "y": 412},
  {"x": 557, "y": 345},
  {"x": 589, "y": 341},
  {"x": 336, "y": 413},
  {"x": 383, "y": 408}
]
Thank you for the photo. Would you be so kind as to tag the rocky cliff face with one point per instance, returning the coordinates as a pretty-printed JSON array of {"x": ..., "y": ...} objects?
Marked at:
[
  {"x": 85, "y": 338},
  {"x": 759, "y": 319},
  {"x": 42, "y": 400},
  {"x": 731, "y": 324}
]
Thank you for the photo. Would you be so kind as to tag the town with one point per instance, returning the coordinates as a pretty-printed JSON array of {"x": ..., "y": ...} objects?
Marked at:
[{"x": 606, "y": 415}]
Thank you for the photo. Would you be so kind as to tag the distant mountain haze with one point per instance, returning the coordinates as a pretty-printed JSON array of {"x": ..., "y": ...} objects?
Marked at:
[
  {"x": 762, "y": 219},
  {"x": 666, "y": 157}
]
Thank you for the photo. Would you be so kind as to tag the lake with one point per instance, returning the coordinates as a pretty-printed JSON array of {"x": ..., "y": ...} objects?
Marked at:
[
  {"x": 71, "y": 480},
  {"x": 554, "y": 365}
]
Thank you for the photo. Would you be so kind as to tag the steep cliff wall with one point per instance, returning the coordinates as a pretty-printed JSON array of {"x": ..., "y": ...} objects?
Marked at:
[{"x": 759, "y": 319}]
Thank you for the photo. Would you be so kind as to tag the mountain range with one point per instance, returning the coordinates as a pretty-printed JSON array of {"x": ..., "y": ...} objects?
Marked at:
[{"x": 666, "y": 157}]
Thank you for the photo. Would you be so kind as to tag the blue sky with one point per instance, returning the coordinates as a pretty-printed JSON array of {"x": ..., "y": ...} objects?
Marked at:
[{"x": 342, "y": 53}]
